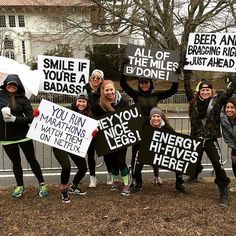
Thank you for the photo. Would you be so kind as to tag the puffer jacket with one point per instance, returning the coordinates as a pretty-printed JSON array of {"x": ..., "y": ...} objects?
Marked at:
[
  {"x": 211, "y": 128},
  {"x": 11, "y": 131},
  {"x": 228, "y": 131},
  {"x": 147, "y": 100}
]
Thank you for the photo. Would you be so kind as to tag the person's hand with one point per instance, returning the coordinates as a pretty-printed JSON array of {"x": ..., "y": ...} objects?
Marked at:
[
  {"x": 9, "y": 118},
  {"x": 94, "y": 133},
  {"x": 36, "y": 112}
]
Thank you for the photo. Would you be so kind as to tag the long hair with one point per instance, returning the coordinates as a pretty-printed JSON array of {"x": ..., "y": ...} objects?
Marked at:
[{"x": 104, "y": 102}]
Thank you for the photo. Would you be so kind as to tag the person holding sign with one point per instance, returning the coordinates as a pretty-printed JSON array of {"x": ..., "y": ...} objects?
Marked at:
[
  {"x": 111, "y": 100},
  {"x": 93, "y": 91},
  {"x": 79, "y": 105},
  {"x": 204, "y": 111},
  {"x": 147, "y": 99},
  {"x": 228, "y": 123},
  {"x": 16, "y": 115},
  {"x": 158, "y": 120}
]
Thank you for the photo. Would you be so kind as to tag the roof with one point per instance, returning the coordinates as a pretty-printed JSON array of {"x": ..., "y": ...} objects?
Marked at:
[{"x": 46, "y": 3}]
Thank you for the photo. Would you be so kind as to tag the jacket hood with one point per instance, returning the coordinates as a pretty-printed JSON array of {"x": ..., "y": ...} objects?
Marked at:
[
  {"x": 16, "y": 79},
  {"x": 151, "y": 85}
]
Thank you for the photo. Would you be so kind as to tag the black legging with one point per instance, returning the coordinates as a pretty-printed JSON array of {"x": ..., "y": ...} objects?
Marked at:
[
  {"x": 234, "y": 168},
  {"x": 91, "y": 159},
  {"x": 13, "y": 152},
  {"x": 212, "y": 149},
  {"x": 63, "y": 159}
]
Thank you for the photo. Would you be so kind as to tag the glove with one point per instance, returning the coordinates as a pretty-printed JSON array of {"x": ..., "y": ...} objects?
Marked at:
[
  {"x": 9, "y": 118},
  {"x": 94, "y": 133},
  {"x": 36, "y": 112}
]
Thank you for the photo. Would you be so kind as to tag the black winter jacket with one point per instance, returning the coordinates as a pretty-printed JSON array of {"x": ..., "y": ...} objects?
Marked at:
[
  {"x": 210, "y": 127},
  {"x": 147, "y": 100},
  {"x": 11, "y": 131}
]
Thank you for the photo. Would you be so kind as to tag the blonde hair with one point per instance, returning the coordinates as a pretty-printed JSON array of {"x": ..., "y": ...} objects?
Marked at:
[
  {"x": 96, "y": 74},
  {"x": 104, "y": 102}
]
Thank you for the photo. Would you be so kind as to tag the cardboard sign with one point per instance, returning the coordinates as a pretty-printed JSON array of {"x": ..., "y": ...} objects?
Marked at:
[
  {"x": 152, "y": 63},
  {"x": 63, "y": 75},
  {"x": 119, "y": 129},
  {"x": 211, "y": 52},
  {"x": 62, "y": 128},
  {"x": 171, "y": 151}
]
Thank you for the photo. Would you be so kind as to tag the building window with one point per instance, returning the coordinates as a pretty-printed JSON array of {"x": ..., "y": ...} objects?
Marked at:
[
  {"x": 21, "y": 20},
  {"x": 2, "y": 21},
  {"x": 10, "y": 54},
  {"x": 12, "y": 21},
  {"x": 8, "y": 44},
  {"x": 23, "y": 51}
]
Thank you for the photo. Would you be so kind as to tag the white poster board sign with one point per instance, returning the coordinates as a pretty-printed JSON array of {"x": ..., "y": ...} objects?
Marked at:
[
  {"x": 63, "y": 75},
  {"x": 211, "y": 52},
  {"x": 62, "y": 128}
]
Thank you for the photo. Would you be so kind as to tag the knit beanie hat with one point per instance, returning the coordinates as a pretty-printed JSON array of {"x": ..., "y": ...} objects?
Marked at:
[
  {"x": 98, "y": 73},
  {"x": 156, "y": 110},
  {"x": 205, "y": 84},
  {"x": 232, "y": 100},
  {"x": 82, "y": 96}
]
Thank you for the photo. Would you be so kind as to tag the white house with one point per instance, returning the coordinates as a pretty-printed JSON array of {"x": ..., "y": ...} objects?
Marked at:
[{"x": 28, "y": 29}]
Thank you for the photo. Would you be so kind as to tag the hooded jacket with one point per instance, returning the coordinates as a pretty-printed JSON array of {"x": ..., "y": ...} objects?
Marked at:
[
  {"x": 11, "y": 131},
  {"x": 228, "y": 131},
  {"x": 149, "y": 99}
]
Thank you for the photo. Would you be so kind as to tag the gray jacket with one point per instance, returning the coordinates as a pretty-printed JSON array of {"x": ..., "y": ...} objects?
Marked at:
[{"x": 228, "y": 131}]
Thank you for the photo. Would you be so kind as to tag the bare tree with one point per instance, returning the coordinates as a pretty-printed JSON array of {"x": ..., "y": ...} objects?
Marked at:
[{"x": 164, "y": 24}]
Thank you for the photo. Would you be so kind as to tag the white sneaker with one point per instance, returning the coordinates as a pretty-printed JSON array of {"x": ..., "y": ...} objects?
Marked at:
[
  {"x": 93, "y": 182},
  {"x": 157, "y": 181},
  {"x": 109, "y": 179},
  {"x": 233, "y": 189}
]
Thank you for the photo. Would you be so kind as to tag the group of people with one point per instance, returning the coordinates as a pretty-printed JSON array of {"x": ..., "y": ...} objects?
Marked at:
[{"x": 101, "y": 97}]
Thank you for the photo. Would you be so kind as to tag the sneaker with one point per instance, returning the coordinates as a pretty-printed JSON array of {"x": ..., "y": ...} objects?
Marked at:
[
  {"x": 18, "y": 191},
  {"x": 43, "y": 190},
  {"x": 109, "y": 179},
  {"x": 65, "y": 196},
  {"x": 233, "y": 189},
  {"x": 76, "y": 190},
  {"x": 157, "y": 181},
  {"x": 136, "y": 188},
  {"x": 93, "y": 182},
  {"x": 115, "y": 186},
  {"x": 125, "y": 191}
]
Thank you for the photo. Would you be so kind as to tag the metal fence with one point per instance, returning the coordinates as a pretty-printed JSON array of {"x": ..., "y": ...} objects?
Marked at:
[
  {"x": 49, "y": 163},
  {"x": 67, "y": 99}
]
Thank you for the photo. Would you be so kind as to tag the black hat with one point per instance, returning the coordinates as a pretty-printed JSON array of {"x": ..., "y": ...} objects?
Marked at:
[{"x": 205, "y": 84}]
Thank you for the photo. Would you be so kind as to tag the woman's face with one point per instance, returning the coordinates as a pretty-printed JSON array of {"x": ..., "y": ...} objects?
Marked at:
[
  {"x": 81, "y": 104},
  {"x": 144, "y": 85},
  {"x": 230, "y": 110},
  {"x": 109, "y": 91},
  {"x": 11, "y": 87},
  {"x": 155, "y": 120},
  {"x": 205, "y": 93},
  {"x": 96, "y": 81}
]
